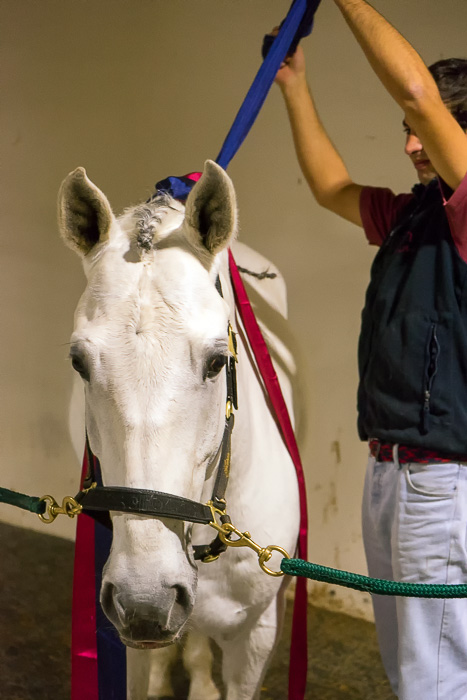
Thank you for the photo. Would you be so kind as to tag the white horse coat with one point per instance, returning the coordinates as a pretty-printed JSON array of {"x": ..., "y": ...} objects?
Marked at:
[{"x": 150, "y": 343}]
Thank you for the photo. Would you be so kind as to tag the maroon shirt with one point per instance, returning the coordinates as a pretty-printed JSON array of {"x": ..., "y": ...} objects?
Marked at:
[{"x": 380, "y": 209}]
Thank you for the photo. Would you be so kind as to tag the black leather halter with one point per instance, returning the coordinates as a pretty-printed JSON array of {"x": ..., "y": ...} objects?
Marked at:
[{"x": 97, "y": 501}]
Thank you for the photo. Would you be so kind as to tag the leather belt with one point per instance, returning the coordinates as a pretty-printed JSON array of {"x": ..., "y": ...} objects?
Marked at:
[{"x": 384, "y": 452}]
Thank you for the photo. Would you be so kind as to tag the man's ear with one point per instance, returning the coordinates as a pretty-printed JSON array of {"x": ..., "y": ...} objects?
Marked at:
[
  {"x": 84, "y": 214},
  {"x": 211, "y": 209}
]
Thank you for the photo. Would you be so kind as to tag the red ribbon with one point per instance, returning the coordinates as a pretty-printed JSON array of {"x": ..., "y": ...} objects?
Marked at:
[
  {"x": 299, "y": 645},
  {"x": 84, "y": 675}
]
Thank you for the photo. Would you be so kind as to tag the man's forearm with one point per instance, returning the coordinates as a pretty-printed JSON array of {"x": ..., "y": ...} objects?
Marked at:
[
  {"x": 319, "y": 160},
  {"x": 394, "y": 60},
  {"x": 321, "y": 164}
]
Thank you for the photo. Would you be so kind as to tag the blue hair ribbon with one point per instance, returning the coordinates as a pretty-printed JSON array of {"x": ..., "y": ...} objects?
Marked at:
[{"x": 297, "y": 24}]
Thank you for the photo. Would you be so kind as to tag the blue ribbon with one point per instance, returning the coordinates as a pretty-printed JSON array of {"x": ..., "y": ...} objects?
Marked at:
[
  {"x": 304, "y": 29},
  {"x": 298, "y": 23},
  {"x": 111, "y": 653}
]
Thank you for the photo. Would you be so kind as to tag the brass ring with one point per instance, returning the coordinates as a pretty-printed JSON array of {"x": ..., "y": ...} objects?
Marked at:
[
  {"x": 266, "y": 555},
  {"x": 49, "y": 504}
]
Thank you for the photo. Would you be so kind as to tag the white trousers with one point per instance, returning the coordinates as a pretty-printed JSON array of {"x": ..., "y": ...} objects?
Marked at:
[{"x": 415, "y": 530}]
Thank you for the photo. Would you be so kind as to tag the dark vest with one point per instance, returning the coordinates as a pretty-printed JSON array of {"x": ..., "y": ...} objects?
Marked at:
[{"x": 413, "y": 342}]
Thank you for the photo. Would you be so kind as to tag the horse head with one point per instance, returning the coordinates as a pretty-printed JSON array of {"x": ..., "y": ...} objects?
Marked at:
[{"x": 150, "y": 340}]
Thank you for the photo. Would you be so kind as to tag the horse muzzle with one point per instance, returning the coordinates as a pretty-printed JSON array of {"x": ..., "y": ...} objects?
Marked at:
[{"x": 147, "y": 620}]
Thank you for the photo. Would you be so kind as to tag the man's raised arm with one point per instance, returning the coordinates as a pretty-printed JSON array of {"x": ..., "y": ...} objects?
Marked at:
[
  {"x": 409, "y": 82},
  {"x": 319, "y": 160}
]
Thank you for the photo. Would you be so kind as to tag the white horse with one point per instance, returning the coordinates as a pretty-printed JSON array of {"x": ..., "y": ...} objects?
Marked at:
[{"x": 150, "y": 342}]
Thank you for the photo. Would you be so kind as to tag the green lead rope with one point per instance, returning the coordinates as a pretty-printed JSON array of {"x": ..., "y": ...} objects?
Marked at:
[
  {"x": 31, "y": 503},
  {"x": 298, "y": 567}
]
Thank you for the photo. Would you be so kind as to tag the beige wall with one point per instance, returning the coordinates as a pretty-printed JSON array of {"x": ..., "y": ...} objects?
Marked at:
[{"x": 135, "y": 91}]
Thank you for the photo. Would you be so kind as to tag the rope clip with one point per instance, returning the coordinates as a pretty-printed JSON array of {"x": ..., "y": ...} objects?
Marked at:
[
  {"x": 69, "y": 507},
  {"x": 243, "y": 539}
]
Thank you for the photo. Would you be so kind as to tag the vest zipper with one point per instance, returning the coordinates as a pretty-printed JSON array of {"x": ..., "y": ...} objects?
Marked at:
[{"x": 431, "y": 368}]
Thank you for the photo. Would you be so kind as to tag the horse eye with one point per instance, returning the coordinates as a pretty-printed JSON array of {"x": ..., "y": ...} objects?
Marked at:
[
  {"x": 215, "y": 365},
  {"x": 79, "y": 366}
]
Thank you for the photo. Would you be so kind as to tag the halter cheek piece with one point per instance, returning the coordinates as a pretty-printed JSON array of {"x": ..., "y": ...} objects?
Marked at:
[{"x": 97, "y": 501}]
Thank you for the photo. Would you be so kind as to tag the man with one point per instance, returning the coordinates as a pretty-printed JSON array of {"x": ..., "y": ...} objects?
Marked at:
[{"x": 412, "y": 396}]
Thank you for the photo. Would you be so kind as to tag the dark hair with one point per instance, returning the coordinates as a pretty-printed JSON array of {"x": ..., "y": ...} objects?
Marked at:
[{"x": 450, "y": 75}]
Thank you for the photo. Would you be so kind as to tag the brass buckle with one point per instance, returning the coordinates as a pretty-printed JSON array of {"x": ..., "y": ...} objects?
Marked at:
[
  {"x": 232, "y": 343},
  {"x": 210, "y": 558}
]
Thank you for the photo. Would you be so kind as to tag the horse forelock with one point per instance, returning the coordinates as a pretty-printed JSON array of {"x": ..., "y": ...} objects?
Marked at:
[{"x": 144, "y": 223}]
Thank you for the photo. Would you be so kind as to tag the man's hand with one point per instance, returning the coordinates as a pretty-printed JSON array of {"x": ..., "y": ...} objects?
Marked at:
[{"x": 292, "y": 69}]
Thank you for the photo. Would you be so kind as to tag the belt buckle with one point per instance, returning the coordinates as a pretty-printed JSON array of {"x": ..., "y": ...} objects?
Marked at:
[{"x": 375, "y": 447}]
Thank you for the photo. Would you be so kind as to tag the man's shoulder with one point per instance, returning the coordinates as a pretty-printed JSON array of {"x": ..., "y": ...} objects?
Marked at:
[{"x": 380, "y": 208}]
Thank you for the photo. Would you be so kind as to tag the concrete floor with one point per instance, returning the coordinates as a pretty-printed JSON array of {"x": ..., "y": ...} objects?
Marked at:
[{"x": 35, "y": 603}]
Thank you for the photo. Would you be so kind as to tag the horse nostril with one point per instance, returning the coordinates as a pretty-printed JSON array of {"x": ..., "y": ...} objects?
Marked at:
[
  {"x": 182, "y": 597},
  {"x": 111, "y": 605},
  {"x": 107, "y": 596}
]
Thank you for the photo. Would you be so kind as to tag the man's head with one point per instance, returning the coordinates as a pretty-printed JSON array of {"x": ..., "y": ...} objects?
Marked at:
[{"x": 450, "y": 75}]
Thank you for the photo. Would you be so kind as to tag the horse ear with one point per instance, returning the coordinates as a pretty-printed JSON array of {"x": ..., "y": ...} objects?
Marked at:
[
  {"x": 84, "y": 213},
  {"x": 211, "y": 210}
]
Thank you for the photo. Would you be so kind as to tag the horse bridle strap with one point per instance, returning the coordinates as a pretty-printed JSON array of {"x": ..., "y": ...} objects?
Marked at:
[
  {"x": 143, "y": 502},
  {"x": 156, "y": 503}
]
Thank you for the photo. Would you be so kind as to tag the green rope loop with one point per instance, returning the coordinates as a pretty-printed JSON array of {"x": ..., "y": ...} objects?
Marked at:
[
  {"x": 298, "y": 567},
  {"x": 31, "y": 503}
]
